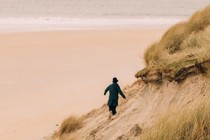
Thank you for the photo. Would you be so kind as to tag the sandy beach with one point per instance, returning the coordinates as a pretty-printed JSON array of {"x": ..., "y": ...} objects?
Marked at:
[{"x": 48, "y": 75}]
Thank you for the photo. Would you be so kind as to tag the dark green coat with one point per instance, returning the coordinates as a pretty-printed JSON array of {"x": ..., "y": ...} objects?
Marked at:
[{"x": 114, "y": 90}]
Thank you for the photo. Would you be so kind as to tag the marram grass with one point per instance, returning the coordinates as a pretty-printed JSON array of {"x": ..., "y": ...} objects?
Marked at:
[
  {"x": 190, "y": 124},
  {"x": 184, "y": 41},
  {"x": 69, "y": 125}
]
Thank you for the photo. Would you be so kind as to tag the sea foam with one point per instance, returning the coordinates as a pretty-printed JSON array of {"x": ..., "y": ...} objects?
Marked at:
[{"x": 54, "y": 23}]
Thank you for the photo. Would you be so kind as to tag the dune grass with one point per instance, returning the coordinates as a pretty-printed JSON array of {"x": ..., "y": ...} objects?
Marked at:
[
  {"x": 182, "y": 42},
  {"x": 73, "y": 123},
  {"x": 190, "y": 124},
  {"x": 68, "y": 126}
]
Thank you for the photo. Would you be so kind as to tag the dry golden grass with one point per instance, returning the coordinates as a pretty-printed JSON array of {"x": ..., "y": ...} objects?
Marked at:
[
  {"x": 199, "y": 20},
  {"x": 68, "y": 126},
  {"x": 189, "y": 124},
  {"x": 182, "y": 45},
  {"x": 182, "y": 42},
  {"x": 73, "y": 123}
]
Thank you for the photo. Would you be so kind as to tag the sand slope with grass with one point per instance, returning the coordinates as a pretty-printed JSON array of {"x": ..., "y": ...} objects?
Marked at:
[
  {"x": 170, "y": 99},
  {"x": 147, "y": 104},
  {"x": 183, "y": 45}
]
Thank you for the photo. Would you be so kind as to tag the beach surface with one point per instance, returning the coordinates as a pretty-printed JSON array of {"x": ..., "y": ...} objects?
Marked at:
[{"x": 47, "y": 76}]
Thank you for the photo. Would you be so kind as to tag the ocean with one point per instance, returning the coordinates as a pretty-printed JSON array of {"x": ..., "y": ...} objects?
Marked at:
[
  {"x": 99, "y": 8},
  {"x": 95, "y": 12}
]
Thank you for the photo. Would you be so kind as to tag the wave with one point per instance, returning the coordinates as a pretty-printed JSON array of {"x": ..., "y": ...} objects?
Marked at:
[{"x": 78, "y": 23}]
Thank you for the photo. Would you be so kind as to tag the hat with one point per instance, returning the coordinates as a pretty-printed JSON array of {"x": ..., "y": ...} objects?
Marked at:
[{"x": 114, "y": 80}]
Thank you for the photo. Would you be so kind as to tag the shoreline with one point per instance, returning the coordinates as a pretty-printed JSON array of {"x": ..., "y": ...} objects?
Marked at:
[{"x": 10, "y": 25}]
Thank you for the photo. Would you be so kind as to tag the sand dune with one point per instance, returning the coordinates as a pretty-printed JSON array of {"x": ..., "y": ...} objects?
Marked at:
[{"x": 145, "y": 106}]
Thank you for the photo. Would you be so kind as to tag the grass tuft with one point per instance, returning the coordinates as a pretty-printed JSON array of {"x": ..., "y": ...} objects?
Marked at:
[
  {"x": 191, "y": 124},
  {"x": 70, "y": 125}
]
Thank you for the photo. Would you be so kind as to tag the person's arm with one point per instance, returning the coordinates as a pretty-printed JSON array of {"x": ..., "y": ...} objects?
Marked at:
[
  {"x": 106, "y": 90},
  {"x": 120, "y": 91}
]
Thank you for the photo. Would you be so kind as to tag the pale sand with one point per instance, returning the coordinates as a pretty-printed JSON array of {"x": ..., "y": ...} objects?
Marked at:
[{"x": 47, "y": 76}]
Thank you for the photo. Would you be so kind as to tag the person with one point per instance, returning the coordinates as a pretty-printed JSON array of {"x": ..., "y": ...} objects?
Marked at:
[{"x": 114, "y": 90}]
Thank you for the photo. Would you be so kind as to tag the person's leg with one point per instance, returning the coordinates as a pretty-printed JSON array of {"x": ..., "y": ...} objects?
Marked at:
[
  {"x": 110, "y": 108},
  {"x": 110, "y": 112},
  {"x": 114, "y": 110}
]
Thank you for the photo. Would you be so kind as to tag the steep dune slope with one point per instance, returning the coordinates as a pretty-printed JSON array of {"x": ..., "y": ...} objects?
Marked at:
[{"x": 145, "y": 105}]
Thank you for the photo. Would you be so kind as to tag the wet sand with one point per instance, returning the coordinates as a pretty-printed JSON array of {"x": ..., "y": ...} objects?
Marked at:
[{"x": 48, "y": 75}]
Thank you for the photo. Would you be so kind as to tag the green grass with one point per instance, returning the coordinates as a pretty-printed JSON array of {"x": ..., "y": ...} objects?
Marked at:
[{"x": 190, "y": 124}]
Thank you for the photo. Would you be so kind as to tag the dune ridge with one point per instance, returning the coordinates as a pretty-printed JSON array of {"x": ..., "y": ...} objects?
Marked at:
[{"x": 183, "y": 46}]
